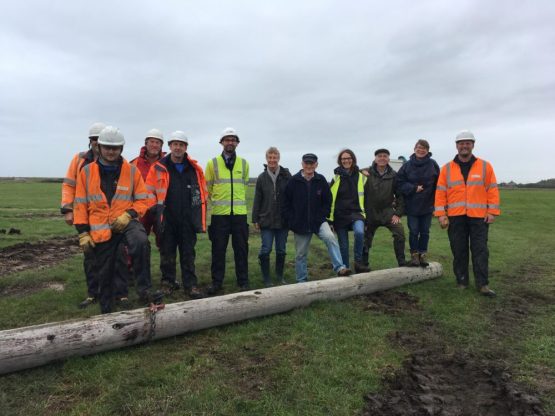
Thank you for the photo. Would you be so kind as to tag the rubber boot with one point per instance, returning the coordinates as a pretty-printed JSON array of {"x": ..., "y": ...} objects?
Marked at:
[
  {"x": 280, "y": 266},
  {"x": 424, "y": 260},
  {"x": 414, "y": 259},
  {"x": 264, "y": 261},
  {"x": 399, "y": 248}
]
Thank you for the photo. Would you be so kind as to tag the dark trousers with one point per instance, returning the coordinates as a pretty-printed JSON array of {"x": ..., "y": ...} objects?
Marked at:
[
  {"x": 419, "y": 232},
  {"x": 91, "y": 274},
  {"x": 398, "y": 234},
  {"x": 180, "y": 237},
  {"x": 107, "y": 253},
  {"x": 221, "y": 227},
  {"x": 121, "y": 273},
  {"x": 464, "y": 233}
]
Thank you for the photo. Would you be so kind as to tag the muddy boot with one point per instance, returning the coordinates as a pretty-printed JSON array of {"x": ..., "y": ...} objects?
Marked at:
[
  {"x": 399, "y": 248},
  {"x": 414, "y": 259},
  {"x": 486, "y": 291},
  {"x": 264, "y": 261},
  {"x": 87, "y": 302},
  {"x": 361, "y": 268},
  {"x": 123, "y": 303},
  {"x": 424, "y": 260},
  {"x": 280, "y": 265},
  {"x": 168, "y": 287},
  {"x": 195, "y": 293}
]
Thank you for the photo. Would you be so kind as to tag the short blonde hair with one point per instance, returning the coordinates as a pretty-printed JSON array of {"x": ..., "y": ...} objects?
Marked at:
[{"x": 272, "y": 149}]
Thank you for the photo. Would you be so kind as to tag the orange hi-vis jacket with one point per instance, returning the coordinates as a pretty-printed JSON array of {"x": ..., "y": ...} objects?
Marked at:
[
  {"x": 91, "y": 206},
  {"x": 158, "y": 182},
  {"x": 70, "y": 181},
  {"x": 475, "y": 198}
]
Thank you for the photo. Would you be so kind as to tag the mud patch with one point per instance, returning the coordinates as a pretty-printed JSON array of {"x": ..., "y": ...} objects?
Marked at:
[
  {"x": 451, "y": 384},
  {"x": 27, "y": 290},
  {"x": 37, "y": 255},
  {"x": 391, "y": 302}
]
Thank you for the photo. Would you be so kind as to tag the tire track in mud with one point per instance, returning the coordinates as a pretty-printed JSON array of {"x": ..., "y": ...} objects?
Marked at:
[{"x": 440, "y": 379}]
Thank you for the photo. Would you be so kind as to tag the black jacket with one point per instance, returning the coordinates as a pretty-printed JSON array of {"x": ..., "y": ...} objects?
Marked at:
[
  {"x": 382, "y": 198},
  {"x": 307, "y": 204},
  {"x": 266, "y": 209},
  {"x": 418, "y": 172}
]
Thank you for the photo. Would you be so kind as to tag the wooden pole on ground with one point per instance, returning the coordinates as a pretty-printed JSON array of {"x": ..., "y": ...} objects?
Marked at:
[{"x": 32, "y": 346}]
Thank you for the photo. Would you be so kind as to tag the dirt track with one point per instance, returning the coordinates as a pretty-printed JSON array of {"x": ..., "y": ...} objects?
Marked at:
[
  {"x": 37, "y": 255},
  {"x": 439, "y": 379}
]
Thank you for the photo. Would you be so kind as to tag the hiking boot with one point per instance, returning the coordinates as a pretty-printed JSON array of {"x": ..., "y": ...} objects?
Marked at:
[
  {"x": 123, "y": 303},
  {"x": 424, "y": 260},
  {"x": 149, "y": 297},
  {"x": 195, "y": 293},
  {"x": 345, "y": 271},
  {"x": 244, "y": 288},
  {"x": 214, "y": 290},
  {"x": 414, "y": 259},
  {"x": 361, "y": 268},
  {"x": 168, "y": 287},
  {"x": 486, "y": 291},
  {"x": 87, "y": 302}
]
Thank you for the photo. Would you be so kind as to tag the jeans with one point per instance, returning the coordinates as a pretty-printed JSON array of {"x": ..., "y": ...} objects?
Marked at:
[
  {"x": 419, "y": 232},
  {"x": 268, "y": 235},
  {"x": 302, "y": 241},
  {"x": 343, "y": 239}
]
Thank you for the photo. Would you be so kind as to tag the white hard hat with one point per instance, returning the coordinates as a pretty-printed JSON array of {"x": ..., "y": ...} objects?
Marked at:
[
  {"x": 111, "y": 136},
  {"x": 154, "y": 134},
  {"x": 465, "y": 135},
  {"x": 178, "y": 136},
  {"x": 229, "y": 131},
  {"x": 96, "y": 128}
]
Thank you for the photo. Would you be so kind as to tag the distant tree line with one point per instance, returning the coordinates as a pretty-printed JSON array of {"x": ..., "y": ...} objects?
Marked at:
[{"x": 544, "y": 183}]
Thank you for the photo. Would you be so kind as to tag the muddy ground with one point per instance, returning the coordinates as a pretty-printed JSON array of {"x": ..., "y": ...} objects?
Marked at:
[
  {"x": 439, "y": 379},
  {"x": 38, "y": 255}
]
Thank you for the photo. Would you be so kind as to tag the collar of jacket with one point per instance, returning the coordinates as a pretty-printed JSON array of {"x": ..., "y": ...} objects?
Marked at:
[
  {"x": 471, "y": 161},
  {"x": 342, "y": 172},
  {"x": 374, "y": 171},
  {"x": 282, "y": 170},
  {"x": 299, "y": 176}
]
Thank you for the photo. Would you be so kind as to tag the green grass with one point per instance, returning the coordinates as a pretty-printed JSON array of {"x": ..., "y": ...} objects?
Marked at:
[{"x": 318, "y": 360}]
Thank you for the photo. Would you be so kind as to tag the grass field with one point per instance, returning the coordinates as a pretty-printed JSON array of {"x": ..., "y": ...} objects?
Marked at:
[{"x": 319, "y": 360}]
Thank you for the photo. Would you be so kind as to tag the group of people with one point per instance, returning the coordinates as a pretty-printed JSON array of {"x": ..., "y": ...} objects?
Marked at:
[{"x": 115, "y": 204}]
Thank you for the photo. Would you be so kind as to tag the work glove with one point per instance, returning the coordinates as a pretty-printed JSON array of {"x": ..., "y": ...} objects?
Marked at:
[
  {"x": 86, "y": 242},
  {"x": 121, "y": 222},
  {"x": 158, "y": 211}
]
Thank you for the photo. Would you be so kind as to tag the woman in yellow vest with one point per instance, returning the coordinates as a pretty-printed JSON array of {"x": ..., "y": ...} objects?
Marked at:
[{"x": 347, "y": 207}]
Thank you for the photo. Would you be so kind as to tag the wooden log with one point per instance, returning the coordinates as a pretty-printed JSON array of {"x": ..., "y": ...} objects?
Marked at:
[{"x": 32, "y": 346}]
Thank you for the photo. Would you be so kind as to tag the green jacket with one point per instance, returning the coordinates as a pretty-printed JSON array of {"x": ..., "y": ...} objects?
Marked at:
[{"x": 382, "y": 198}]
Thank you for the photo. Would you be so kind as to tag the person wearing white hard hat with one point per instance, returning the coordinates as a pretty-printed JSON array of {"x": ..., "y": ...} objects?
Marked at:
[
  {"x": 149, "y": 154},
  {"x": 227, "y": 177},
  {"x": 466, "y": 203},
  {"x": 110, "y": 196},
  {"x": 68, "y": 196},
  {"x": 178, "y": 204}
]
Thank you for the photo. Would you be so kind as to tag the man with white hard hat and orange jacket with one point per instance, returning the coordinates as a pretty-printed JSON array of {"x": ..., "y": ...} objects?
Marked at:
[
  {"x": 110, "y": 196},
  {"x": 467, "y": 202}
]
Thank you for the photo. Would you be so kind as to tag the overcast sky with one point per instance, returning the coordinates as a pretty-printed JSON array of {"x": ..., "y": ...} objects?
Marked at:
[{"x": 305, "y": 76}]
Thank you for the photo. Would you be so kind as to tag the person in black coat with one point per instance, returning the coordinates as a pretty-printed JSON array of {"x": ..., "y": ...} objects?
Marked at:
[
  {"x": 306, "y": 206},
  {"x": 266, "y": 214},
  {"x": 417, "y": 181}
]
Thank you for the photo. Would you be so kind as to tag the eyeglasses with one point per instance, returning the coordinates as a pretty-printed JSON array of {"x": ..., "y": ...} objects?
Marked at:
[{"x": 346, "y": 158}]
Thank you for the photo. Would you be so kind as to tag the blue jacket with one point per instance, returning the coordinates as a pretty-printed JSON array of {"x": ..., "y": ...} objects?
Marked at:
[
  {"x": 306, "y": 204},
  {"x": 418, "y": 172}
]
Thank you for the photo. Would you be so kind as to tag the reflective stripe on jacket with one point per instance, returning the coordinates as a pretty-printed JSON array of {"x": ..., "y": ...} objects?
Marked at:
[
  {"x": 360, "y": 190},
  {"x": 70, "y": 181},
  {"x": 227, "y": 188},
  {"x": 475, "y": 198},
  {"x": 92, "y": 208},
  {"x": 158, "y": 183}
]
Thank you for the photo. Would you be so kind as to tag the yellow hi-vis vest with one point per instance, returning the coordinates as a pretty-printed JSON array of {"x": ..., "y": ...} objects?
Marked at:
[
  {"x": 360, "y": 190},
  {"x": 227, "y": 189}
]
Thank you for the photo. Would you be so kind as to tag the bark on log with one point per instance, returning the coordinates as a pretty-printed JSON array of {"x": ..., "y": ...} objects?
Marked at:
[{"x": 32, "y": 346}]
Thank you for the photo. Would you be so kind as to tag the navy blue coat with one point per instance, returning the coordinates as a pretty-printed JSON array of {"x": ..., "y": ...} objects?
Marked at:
[
  {"x": 306, "y": 205},
  {"x": 418, "y": 172}
]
